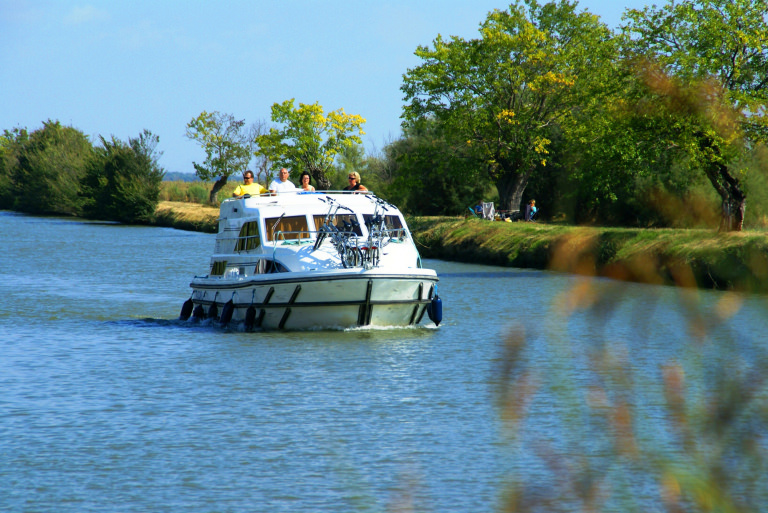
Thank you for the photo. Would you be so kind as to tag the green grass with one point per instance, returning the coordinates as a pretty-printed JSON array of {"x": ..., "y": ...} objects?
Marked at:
[{"x": 689, "y": 258}]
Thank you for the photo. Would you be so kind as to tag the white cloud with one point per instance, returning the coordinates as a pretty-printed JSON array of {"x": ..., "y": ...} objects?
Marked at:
[{"x": 85, "y": 14}]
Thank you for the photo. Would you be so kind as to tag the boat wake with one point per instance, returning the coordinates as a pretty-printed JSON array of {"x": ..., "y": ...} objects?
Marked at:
[{"x": 214, "y": 325}]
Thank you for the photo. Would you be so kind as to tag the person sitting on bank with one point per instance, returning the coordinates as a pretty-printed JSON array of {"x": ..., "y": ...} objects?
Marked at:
[
  {"x": 281, "y": 183},
  {"x": 530, "y": 210},
  {"x": 354, "y": 183},
  {"x": 305, "y": 181},
  {"x": 248, "y": 187}
]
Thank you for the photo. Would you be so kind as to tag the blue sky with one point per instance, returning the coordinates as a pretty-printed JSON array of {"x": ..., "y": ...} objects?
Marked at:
[{"x": 117, "y": 67}]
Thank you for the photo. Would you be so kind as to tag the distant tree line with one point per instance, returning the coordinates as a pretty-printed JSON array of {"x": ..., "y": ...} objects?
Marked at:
[{"x": 56, "y": 170}]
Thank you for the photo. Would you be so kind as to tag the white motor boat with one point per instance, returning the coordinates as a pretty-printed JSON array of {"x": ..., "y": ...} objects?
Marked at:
[{"x": 305, "y": 260}]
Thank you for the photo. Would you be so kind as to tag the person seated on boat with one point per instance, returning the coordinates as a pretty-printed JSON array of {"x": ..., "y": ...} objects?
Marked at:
[
  {"x": 354, "y": 183},
  {"x": 249, "y": 187},
  {"x": 530, "y": 210},
  {"x": 305, "y": 181},
  {"x": 281, "y": 183}
]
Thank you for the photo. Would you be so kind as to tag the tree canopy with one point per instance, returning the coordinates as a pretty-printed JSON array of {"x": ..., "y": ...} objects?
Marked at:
[
  {"x": 500, "y": 94},
  {"x": 227, "y": 145},
  {"x": 308, "y": 139},
  {"x": 49, "y": 166},
  {"x": 122, "y": 182},
  {"x": 704, "y": 68}
]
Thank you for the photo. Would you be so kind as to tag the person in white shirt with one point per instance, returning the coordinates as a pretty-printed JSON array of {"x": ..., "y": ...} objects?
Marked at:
[{"x": 281, "y": 183}]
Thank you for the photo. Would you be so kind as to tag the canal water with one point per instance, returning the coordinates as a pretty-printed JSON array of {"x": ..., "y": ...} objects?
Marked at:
[{"x": 540, "y": 391}]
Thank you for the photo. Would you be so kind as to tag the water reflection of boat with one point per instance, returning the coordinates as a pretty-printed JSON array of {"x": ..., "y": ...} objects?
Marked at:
[{"x": 314, "y": 260}]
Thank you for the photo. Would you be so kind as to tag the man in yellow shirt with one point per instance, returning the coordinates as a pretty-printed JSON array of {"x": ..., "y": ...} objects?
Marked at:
[{"x": 249, "y": 187}]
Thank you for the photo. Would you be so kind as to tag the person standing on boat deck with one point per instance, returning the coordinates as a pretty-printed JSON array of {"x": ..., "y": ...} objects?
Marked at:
[
  {"x": 354, "y": 183},
  {"x": 281, "y": 183},
  {"x": 304, "y": 182},
  {"x": 249, "y": 186}
]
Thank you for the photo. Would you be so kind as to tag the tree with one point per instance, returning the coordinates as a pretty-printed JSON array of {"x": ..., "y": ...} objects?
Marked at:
[
  {"x": 49, "y": 167},
  {"x": 227, "y": 145},
  {"x": 309, "y": 139},
  {"x": 705, "y": 62},
  {"x": 263, "y": 165},
  {"x": 122, "y": 182},
  {"x": 11, "y": 142},
  {"x": 432, "y": 177},
  {"x": 500, "y": 94}
]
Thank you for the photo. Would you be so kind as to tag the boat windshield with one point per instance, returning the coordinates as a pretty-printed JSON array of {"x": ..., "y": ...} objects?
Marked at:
[
  {"x": 344, "y": 222},
  {"x": 392, "y": 224}
]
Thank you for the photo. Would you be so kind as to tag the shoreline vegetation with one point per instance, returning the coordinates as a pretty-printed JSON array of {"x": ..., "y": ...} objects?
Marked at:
[{"x": 690, "y": 258}]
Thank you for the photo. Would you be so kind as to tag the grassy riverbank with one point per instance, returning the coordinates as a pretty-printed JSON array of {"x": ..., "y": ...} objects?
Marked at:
[{"x": 687, "y": 258}]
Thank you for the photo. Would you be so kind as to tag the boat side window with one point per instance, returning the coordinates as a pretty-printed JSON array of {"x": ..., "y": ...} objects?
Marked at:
[
  {"x": 249, "y": 237},
  {"x": 288, "y": 228},
  {"x": 350, "y": 219},
  {"x": 218, "y": 268},
  {"x": 266, "y": 266}
]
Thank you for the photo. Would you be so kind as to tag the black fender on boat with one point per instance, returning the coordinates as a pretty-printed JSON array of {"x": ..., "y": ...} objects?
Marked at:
[
  {"x": 435, "y": 310},
  {"x": 227, "y": 311},
  {"x": 186, "y": 309},
  {"x": 213, "y": 311},
  {"x": 250, "y": 318},
  {"x": 198, "y": 313}
]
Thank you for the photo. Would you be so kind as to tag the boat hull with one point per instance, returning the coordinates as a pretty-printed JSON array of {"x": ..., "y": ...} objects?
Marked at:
[{"x": 312, "y": 300}]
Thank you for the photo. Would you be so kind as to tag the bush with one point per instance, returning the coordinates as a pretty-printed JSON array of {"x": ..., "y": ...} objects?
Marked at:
[
  {"x": 197, "y": 194},
  {"x": 49, "y": 167},
  {"x": 123, "y": 180}
]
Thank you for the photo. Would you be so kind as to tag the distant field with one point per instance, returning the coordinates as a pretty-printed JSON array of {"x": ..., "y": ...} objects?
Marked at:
[{"x": 193, "y": 192}]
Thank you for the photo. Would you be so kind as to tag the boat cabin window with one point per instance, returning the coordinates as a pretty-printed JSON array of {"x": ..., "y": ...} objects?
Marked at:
[
  {"x": 269, "y": 266},
  {"x": 249, "y": 237},
  {"x": 342, "y": 222},
  {"x": 287, "y": 228},
  {"x": 218, "y": 268},
  {"x": 391, "y": 222}
]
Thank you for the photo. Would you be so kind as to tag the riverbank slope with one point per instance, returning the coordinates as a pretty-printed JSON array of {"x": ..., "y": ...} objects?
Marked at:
[{"x": 686, "y": 258}]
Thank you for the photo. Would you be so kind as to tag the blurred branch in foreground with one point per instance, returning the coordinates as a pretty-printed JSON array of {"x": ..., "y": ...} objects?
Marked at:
[{"x": 601, "y": 413}]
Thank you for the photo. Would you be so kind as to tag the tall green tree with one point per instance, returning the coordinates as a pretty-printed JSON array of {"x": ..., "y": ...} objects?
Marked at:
[
  {"x": 11, "y": 142},
  {"x": 308, "y": 139},
  {"x": 704, "y": 67},
  {"x": 432, "y": 176},
  {"x": 499, "y": 94},
  {"x": 227, "y": 144},
  {"x": 50, "y": 165},
  {"x": 122, "y": 182}
]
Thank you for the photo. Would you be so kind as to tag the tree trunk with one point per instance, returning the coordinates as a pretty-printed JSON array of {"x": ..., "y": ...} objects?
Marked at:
[
  {"x": 322, "y": 183},
  {"x": 734, "y": 200},
  {"x": 217, "y": 186},
  {"x": 511, "y": 185},
  {"x": 733, "y": 213}
]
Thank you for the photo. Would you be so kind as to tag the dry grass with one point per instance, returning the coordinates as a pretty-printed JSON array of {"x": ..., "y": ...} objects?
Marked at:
[{"x": 187, "y": 216}]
